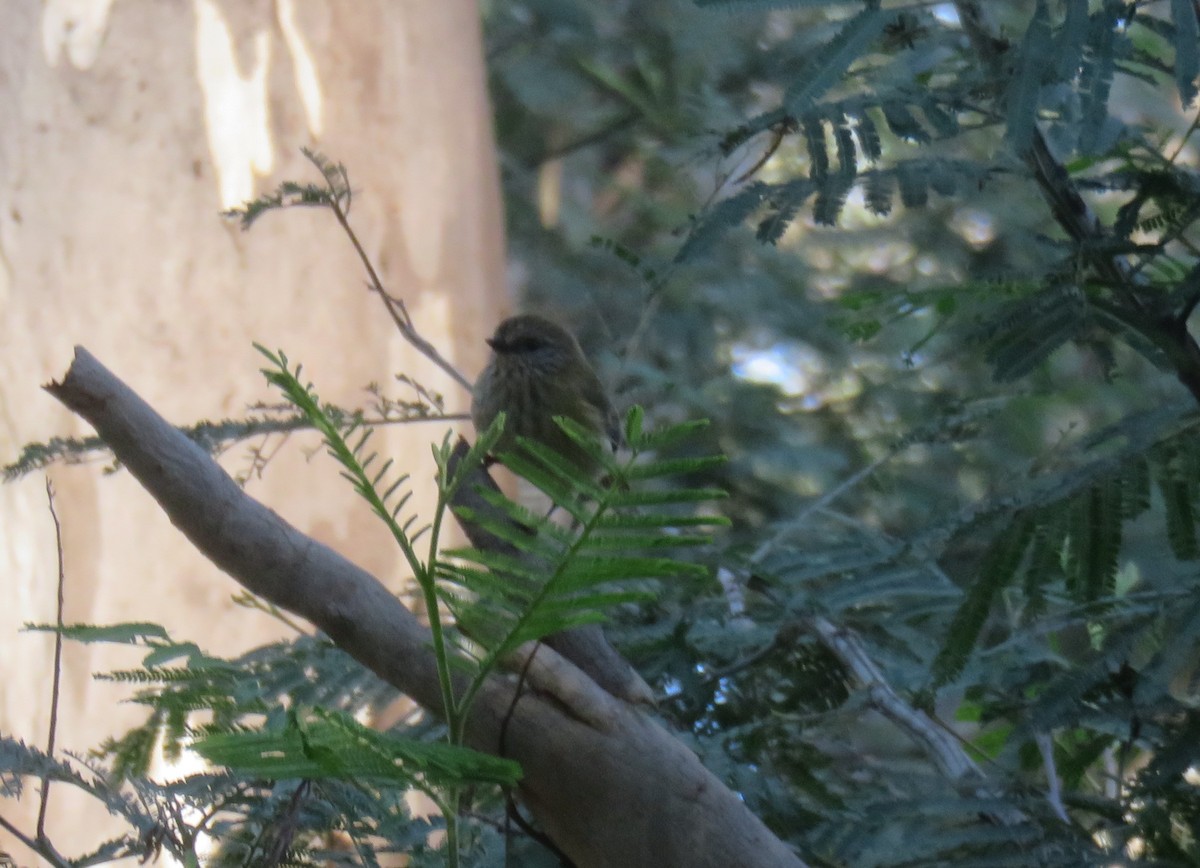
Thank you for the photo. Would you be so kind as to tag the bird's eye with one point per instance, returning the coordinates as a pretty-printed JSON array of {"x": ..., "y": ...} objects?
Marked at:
[{"x": 527, "y": 344}]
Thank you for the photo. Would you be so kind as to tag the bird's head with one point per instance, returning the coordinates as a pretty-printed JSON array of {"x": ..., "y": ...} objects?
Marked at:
[{"x": 534, "y": 338}]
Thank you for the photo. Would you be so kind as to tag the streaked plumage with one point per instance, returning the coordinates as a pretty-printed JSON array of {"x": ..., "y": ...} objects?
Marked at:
[{"x": 538, "y": 371}]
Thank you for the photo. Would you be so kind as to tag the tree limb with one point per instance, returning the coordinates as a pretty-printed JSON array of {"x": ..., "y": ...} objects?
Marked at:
[{"x": 608, "y": 784}]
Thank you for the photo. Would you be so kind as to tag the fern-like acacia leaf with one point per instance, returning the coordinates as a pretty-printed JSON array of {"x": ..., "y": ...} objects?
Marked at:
[
  {"x": 1026, "y": 84},
  {"x": 1187, "y": 49},
  {"x": 831, "y": 62},
  {"x": 999, "y": 568}
]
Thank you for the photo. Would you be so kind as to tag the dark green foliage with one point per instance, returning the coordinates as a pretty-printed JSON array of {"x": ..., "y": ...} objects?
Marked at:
[
  {"x": 279, "y": 720},
  {"x": 238, "y": 695},
  {"x": 829, "y": 64},
  {"x": 1024, "y": 333},
  {"x": 1000, "y": 499},
  {"x": 554, "y": 578},
  {"x": 1174, "y": 472},
  {"x": 960, "y": 419},
  {"x": 1096, "y": 76},
  {"x": 1094, "y": 541},
  {"x": 1025, "y": 88},
  {"x": 1187, "y": 49},
  {"x": 331, "y": 745},
  {"x": 306, "y": 773},
  {"x": 999, "y": 569}
]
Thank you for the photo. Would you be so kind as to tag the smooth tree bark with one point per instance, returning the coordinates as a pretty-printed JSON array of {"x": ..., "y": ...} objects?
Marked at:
[
  {"x": 609, "y": 785},
  {"x": 127, "y": 128}
]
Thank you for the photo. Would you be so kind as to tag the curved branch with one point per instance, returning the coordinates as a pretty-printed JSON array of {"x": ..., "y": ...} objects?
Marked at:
[{"x": 607, "y": 783}]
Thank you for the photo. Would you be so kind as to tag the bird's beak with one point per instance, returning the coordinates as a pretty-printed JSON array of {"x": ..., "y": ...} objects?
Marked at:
[{"x": 491, "y": 342}]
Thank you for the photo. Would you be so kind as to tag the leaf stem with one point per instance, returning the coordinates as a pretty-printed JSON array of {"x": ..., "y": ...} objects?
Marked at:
[{"x": 56, "y": 684}]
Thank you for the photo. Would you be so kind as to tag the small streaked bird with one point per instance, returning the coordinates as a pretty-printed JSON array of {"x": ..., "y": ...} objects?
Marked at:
[{"x": 538, "y": 371}]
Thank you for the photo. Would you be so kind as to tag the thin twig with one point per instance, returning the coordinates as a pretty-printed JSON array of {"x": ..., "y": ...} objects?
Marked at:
[
  {"x": 714, "y": 676},
  {"x": 396, "y": 308},
  {"x": 210, "y": 435},
  {"x": 615, "y": 125},
  {"x": 287, "y": 825},
  {"x": 56, "y": 682},
  {"x": 1183, "y": 141},
  {"x": 649, "y": 309},
  {"x": 43, "y": 849},
  {"x": 821, "y": 503},
  {"x": 1053, "y": 787}
]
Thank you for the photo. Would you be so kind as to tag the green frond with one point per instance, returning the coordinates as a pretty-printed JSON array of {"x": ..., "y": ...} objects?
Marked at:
[
  {"x": 1027, "y": 331},
  {"x": 1094, "y": 540},
  {"x": 328, "y": 744},
  {"x": 944, "y": 123},
  {"x": 914, "y": 189},
  {"x": 583, "y": 571},
  {"x": 550, "y": 473},
  {"x": 132, "y": 754},
  {"x": 1178, "y": 488},
  {"x": 719, "y": 219},
  {"x": 637, "y": 521},
  {"x": 1070, "y": 40},
  {"x": 516, "y": 588},
  {"x": 546, "y": 621},
  {"x": 484, "y": 445},
  {"x": 289, "y": 194},
  {"x": 997, "y": 571},
  {"x": 660, "y": 468},
  {"x": 878, "y": 189},
  {"x": 780, "y": 203},
  {"x": 1168, "y": 221},
  {"x": 634, "y": 428},
  {"x": 36, "y": 456},
  {"x": 1099, "y": 65},
  {"x": 868, "y": 137},
  {"x": 19, "y": 760},
  {"x": 1173, "y": 661},
  {"x": 814, "y": 140},
  {"x": 533, "y": 529},
  {"x": 595, "y": 603},
  {"x": 513, "y": 566},
  {"x": 834, "y": 58},
  {"x": 662, "y": 437},
  {"x": 741, "y": 134},
  {"x": 1187, "y": 49},
  {"x": 846, "y": 150},
  {"x": 157, "y": 675},
  {"x": 556, "y": 578},
  {"x": 902, "y": 122},
  {"x": 885, "y": 585},
  {"x": 130, "y": 633},
  {"x": 1045, "y": 562},
  {"x": 1135, "y": 487},
  {"x": 831, "y": 198},
  {"x": 355, "y": 461},
  {"x": 625, "y": 540},
  {"x": 635, "y": 499},
  {"x": 1072, "y": 694},
  {"x": 783, "y": 207},
  {"x": 1026, "y": 83},
  {"x": 514, "y": 525},
  {"x": 116, "y": 849}
]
